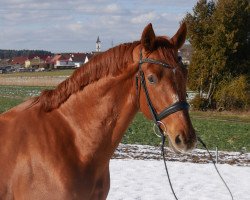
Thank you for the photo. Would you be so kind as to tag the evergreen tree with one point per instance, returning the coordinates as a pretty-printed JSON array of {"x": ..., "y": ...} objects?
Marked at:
[
  {"x": 231, "y": 28},
  {"x": 14, "y": 53},
  {"x": 219, "y": 35},
  {"x": 199, "y": 34}
]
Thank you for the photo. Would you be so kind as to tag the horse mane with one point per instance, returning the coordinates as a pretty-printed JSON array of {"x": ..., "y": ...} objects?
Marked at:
[{"x": 107, "y": 63}]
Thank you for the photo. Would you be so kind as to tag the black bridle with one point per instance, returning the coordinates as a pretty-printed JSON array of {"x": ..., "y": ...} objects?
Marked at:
[{"x": 177, "y": 106}]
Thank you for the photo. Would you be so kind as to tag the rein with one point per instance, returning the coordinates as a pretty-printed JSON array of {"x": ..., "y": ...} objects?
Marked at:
[
  {"x": 210, "y": 156},
  {"x": 177, "y": 106}
]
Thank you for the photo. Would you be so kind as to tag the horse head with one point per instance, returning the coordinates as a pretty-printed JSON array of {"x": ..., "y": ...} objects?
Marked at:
[{"x": 164, "y": 81}]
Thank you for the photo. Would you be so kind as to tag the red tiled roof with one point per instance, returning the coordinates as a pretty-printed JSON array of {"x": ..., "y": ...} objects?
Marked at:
[
  {"x": 64, "y": 57},
  {"x": 19, "y": 60},
  {"x": 55, "y": 58},
  {"x": 76, "y": 57},
  {"x": 48, "y": 59},
  {"x": 42, "y": 57}
]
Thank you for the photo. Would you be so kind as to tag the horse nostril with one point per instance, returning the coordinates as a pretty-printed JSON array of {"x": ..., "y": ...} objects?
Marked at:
[{"x": 178, "y": 140}]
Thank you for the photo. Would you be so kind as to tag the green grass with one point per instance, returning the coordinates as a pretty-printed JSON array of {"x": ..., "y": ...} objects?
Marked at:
[
  {"x": 226, "y": 135},
  {"x": 141, "y": 132},
  {"x": 21, "y": 92},
  {"x": 227, "y": 131},
  {"x": 6, "y": 103},
  {"x": 11, "y": 96}
]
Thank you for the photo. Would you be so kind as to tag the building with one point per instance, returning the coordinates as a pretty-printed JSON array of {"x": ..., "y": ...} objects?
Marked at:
[
  {"x": 69, "y": 60},
  {"x": 80, "y": 58},
  {"x": 36, "y": 61},
  {"x": 63, "y": 61},
  {"x": 19, "y": 61},
  {"x": 98, "y": 44}
]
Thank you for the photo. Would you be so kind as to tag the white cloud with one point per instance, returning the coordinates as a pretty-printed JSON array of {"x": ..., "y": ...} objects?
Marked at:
[
  {"x": 112, "y": 8},
  {"x": 68, "y": 25},
  {"x": 143, "y": 18},
  {"x": 75, "y": 26},
  {"x": 173, "y": 16}
]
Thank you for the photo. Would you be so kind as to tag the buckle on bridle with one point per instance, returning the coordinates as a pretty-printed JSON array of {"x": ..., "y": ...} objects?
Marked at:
[{"x": 158, "y": 131}]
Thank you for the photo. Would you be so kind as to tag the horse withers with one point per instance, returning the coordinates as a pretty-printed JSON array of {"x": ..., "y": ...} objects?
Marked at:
[{"x": 58, "y": 145}]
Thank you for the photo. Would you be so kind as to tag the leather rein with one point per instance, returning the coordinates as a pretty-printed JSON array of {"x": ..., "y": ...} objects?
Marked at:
[{"x": 177, "y": 106}]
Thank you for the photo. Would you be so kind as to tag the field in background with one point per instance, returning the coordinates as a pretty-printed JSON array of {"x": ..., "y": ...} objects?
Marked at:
[
  {"x": 215, "y": 131},
  {"x": 227, "y": 131},
  {"x": 46, "y": 78},
  {"x": 66, "y": 72},
  {"x": 11, "y": 96}
]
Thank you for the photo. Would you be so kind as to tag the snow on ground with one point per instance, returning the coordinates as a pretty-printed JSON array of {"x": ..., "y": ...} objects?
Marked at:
[
  {"x": 147, "y": 180},
  {"x": 142, "y": 152},
  {"x": 137, "y": 179}
]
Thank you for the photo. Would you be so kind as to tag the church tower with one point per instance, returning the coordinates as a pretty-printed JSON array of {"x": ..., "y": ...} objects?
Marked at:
[{"x": 98, "y": 44}]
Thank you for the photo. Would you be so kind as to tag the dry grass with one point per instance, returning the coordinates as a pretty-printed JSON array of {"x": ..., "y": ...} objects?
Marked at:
[
  {"x": 32, "y": 81},
  {"x": 50, "y": 78},
  {"x": 234, "y": 116}
]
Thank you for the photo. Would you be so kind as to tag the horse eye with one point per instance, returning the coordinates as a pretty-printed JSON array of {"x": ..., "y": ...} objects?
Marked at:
[{"x": 152, "y": 79}]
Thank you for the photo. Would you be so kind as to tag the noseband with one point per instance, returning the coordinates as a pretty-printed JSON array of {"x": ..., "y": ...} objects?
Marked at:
[{"x": 177, "y": 106}]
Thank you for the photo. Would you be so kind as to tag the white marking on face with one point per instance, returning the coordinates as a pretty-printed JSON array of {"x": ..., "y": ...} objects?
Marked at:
[
  {"x": 175, "y": 98},
  {"x": 174, "y": 70}
]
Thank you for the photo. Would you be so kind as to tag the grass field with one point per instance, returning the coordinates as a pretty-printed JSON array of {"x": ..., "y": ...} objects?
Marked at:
[
  {"x": 227, "y": 131},
  {"x": 65, "y": 72},
  {"x": 216, "y": 132},
  {"x": 13, "y": 95},
  {"x": 46, "y": 78}
]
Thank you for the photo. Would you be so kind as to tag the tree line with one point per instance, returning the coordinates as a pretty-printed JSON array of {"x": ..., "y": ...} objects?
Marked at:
[
  {"x": 219, "y": 32},
  {"x": 8, "y": 54}
]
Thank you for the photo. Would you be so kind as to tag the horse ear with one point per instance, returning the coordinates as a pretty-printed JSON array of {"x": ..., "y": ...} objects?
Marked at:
[
  {"x": 180, "y": 36},
  {"x": 148, "y": 38}
]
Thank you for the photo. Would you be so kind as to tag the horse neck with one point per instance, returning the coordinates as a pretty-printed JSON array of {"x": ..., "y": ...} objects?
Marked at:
[{"x": 101, "y": 112}]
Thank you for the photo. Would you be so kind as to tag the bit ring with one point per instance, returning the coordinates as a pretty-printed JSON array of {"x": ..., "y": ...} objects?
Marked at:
[{"x": 156, "y": 128}]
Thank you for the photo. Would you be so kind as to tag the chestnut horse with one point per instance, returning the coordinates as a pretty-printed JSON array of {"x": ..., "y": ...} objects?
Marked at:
[{"x": 58, "y": 145}]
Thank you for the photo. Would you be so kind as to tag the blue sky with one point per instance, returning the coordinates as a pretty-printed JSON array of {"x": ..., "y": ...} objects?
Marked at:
[{"x": 73, "y": 25}]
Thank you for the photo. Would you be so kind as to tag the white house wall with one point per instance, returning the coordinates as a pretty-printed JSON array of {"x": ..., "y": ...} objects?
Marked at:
[{"x": 62, "y": 63}]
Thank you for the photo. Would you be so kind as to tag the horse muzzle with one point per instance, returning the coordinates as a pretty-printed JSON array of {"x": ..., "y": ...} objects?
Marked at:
[{"x": 182, "y": 142}]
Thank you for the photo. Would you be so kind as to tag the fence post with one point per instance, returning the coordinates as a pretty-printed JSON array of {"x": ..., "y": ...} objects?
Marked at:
[{"x": 216, "y": 154}]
